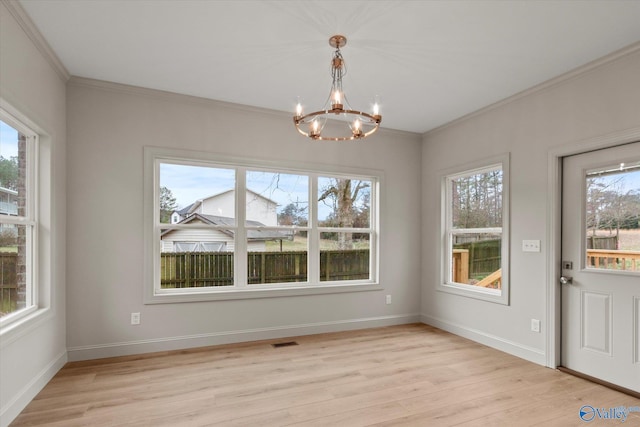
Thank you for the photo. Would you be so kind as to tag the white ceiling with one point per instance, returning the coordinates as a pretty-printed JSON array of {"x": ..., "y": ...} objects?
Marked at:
[{"x": 429, "y": 62}]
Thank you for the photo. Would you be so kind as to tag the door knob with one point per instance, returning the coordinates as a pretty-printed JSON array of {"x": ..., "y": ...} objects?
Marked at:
[{"x": 565, "y": 280}]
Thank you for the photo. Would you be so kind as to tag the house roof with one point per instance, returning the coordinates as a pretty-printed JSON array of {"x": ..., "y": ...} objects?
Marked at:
[
  {"x": 231, "y": 190},
  {"x": 193, "y": 206},
  {"x": 8, "y": 191},
  {"x": 252, "y": 234},
  {"x": 184, "y": 211}
]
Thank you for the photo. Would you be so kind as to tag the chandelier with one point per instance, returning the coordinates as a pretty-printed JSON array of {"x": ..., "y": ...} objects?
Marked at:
[{"x": 358, "y": 124}]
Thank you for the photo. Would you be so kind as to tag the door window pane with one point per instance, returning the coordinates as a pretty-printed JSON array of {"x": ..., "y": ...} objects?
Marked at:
[{"x": 612, "y": 213}]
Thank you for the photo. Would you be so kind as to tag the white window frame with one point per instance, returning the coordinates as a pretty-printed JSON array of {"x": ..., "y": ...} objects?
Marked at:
[
  {"x": 445, "y": 282},
  {"x": 154, "y": 156},
  {"x": 36, "y": 286}
]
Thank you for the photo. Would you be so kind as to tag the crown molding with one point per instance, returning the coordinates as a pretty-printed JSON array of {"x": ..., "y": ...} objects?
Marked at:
[
  {"x": 30, "y": 29},
  {"x": 555, "y": 81},
  {"x": 162, "y": 95},
  {"x": 205, "y": 102}
]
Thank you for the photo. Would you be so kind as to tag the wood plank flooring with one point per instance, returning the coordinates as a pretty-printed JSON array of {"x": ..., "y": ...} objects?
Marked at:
[{"x": 409, "y": 375}]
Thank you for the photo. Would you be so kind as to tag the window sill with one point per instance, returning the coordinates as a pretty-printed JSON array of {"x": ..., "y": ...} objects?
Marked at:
[
  {"x": 470, "y": 291},
  {"x": 261, "y": 292},
  {"x": 22, "y": 326}
]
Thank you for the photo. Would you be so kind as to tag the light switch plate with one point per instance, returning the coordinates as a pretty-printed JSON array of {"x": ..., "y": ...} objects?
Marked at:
[{"x": 531, "y": 246}]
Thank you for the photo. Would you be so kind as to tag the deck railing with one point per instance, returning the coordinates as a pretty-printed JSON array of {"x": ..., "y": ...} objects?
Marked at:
[{"x": 613, "y": 259}]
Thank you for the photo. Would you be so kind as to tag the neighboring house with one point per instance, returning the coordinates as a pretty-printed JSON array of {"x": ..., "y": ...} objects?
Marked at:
[
  {"x": 259, "y": 208},
  {"x": 219, "y": 209},
  {"x": 8, "y": 206},
  {"x": 208, "y": 240},
  {"x": 8, "y": 201}
]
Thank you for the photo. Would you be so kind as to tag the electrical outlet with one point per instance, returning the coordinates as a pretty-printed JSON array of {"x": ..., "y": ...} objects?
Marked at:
[
  {"x": 535, "y": 325},
  {"x": 135, "y": 318},
  {"x": 388, "y": 299}
]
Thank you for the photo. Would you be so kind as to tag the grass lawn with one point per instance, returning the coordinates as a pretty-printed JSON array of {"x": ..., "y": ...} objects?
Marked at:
[
  {"x": 300, "y": 244},
  {"x": 629, "y": 239}
]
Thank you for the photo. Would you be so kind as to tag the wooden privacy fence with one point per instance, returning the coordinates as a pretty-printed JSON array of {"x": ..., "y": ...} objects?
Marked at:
[
  {"x": 602, "y": 242},
  {"x": 200, "y": 269},
  {"x": 344, "y": 265},
  {"x": 8, "y": 282}
]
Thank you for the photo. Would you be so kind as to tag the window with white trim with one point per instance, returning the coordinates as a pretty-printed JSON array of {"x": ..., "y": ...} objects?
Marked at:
[
  {"x": 18, "y": 219},
  {"x": 474, "y": 228},
  {"x": 227, "y": 226}
]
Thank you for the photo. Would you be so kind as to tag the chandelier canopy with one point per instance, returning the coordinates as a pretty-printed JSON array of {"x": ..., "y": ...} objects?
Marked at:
[{"x": 358, "y": 124}]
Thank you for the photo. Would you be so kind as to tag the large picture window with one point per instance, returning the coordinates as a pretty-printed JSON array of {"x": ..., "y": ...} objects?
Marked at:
[
  {"x": 227, "y": 228},
  {"x": 18, "y": 220},
  {"x": 475, "y": 236}
]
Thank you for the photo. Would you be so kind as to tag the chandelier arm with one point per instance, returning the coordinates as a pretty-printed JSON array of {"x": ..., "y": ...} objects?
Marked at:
[{"x": 337, "y": 111}]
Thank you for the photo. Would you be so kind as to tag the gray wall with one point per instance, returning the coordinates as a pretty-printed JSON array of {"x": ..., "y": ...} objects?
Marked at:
[
  {"x": 561, "y": 116},
  {"x": 33, "y": 351},
  {"x": 108, "y": 127}
]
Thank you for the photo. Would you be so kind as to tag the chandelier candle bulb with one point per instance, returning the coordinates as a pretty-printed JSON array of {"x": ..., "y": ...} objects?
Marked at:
[
  {"x": 314, "y": 128},
  {"x": 357, "y": 125},
  {"x": 298, "y": 110}
]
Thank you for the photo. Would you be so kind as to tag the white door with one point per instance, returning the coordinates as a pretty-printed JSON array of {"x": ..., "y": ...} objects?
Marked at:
[{"x": 601, "y": 262}]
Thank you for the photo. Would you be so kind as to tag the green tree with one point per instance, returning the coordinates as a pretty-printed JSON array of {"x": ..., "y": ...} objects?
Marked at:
[
  {"x": 9, "y": 172},
  {"x": 292, "y": 214},
  {"x": 167, "y": 205}
]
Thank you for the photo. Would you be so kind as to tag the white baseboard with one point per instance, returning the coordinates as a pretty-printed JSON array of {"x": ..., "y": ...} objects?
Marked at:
[
  {"x": 13, "y": 408},
  {"x": 229, "y": 337},
  {"x": 528, "y": 353}
]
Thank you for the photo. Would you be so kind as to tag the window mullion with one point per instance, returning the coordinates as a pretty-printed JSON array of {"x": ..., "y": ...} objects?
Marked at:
[
  {"x": 313, "y": 258},
  {"x": 240, "y": 252}
]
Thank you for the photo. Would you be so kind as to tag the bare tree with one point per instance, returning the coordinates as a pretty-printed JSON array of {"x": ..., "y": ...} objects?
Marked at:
[
  {"x": 477, "y": 200},
  {"x": 342, "y": 196}
]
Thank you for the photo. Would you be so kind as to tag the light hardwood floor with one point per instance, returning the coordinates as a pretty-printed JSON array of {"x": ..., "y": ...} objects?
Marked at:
[{"x": 409, "y": 375}]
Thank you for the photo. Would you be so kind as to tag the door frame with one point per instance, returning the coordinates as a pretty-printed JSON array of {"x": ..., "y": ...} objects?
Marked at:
[{"x": 553, "y": 308}]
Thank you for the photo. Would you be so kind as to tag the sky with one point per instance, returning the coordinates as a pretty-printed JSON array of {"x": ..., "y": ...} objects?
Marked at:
[
  {"x": 622, "y": 181},
  {"x": 8, "y": 141},
  {"x": 190, "y": 183}
]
